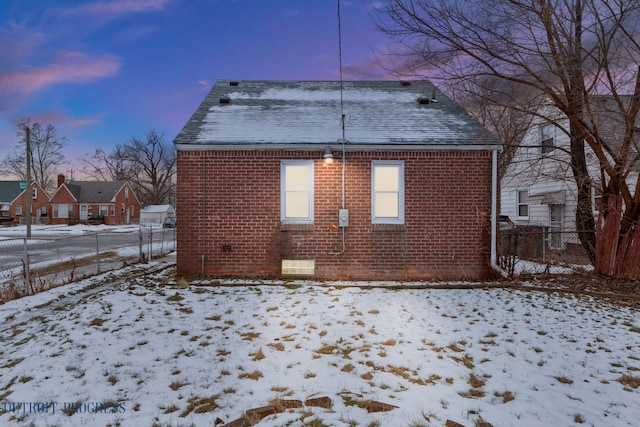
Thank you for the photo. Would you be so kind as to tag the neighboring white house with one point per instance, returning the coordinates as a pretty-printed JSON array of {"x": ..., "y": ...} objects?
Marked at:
[
  {"x": 538, "y": 188},
  {"x": 156, "y": 214}
]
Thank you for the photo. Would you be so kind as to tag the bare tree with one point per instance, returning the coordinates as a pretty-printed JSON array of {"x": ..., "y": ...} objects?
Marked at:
[
  {"x": 567, "y": 51},
  {"x": 496, "y": 110},
  {"x": 148, "y": 164},
  {"x": 103, "y": 166},
  {"x": 46, "y": 154},
  {"x": 152, "y": 161}
]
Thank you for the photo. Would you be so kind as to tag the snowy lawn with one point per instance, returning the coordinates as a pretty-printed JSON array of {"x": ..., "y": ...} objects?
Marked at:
[{"x": 125, "y": 349}]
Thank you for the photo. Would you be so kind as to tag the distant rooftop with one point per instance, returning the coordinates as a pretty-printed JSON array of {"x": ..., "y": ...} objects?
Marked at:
[
  {"x": 307, "y": 114},
  {"x": 95, "y": 191}
]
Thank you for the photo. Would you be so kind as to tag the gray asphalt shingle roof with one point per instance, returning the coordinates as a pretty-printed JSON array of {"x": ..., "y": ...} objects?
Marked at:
[
  {"x": 94, "y": 191},
  {"x": 304, "y": 114},
  {"x": 9, "y": 190}
]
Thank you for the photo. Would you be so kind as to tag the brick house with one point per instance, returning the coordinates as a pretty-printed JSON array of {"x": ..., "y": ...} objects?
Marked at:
[
  {"x": 372, "y": 180},
  {"x": 13, "y": 202},
  {"x": 108, "y": 202}
]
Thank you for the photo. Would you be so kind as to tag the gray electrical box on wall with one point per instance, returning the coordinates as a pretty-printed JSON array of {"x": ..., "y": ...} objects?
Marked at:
[{"x": 343, "y": 218}]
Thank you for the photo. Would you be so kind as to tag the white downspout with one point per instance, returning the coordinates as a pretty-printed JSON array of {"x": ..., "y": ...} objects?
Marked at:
[{"x": 494, "y": 214}]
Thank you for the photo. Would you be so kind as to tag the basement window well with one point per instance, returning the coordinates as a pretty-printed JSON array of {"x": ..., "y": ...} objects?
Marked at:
[{"x": 298, "y": 267}]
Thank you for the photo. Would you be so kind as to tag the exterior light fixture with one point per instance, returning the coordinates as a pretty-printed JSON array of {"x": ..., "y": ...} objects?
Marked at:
[{"x": 328, "y": 156}]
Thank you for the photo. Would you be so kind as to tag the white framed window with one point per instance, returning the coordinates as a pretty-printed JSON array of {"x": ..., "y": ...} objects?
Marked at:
[
  {"x": 126, "y": 192},
  {"x": 62, "y": 211},
  {"x": 18, "y": 210},
  {"x": 296, "y": 190},
  {"x": 522, "y": 204},
  {"x": 104, "y": 210},
  {"x": 387, "y": 192},
  {"x": 34, "y": 193},
  {"x": 547, "y": 138}
]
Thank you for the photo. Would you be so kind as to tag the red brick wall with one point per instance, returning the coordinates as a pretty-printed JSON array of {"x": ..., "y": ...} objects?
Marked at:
[
  {"x": 120, "y": 216},
  {"x": 41, "y": 200},
  {"x": 62, "y": 196},
  {"x": 228, "y": 208}
]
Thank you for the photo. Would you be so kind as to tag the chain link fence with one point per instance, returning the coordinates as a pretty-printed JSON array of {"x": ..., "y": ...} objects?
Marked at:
[
  {"x": 540, "y": 248},
  {"x": 28, "y": 266}
]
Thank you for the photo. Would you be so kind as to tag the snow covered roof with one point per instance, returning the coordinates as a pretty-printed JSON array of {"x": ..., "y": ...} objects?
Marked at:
[
  {"x": 307, "y": 115},
  {"x": 157, "y": 209}
]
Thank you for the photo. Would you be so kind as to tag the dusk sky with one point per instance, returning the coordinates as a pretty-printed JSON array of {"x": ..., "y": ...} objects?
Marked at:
[{"x": 105, "y": 71}]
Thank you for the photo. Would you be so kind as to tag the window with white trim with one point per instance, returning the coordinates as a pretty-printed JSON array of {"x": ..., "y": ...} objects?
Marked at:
[
  {"x": 522, "y": 204},
  {"x": 296, "y": 191},
  {"x": 18, "y": 210},
  {"x": 547, "y": 137},
  {"x": 62, "y": 211},
  {"x": 34, "y": 193},
  {"x": 387, "y": 192}
]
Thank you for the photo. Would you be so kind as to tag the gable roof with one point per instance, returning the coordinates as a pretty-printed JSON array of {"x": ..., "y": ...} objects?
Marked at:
[
  {"x": 94, "y": 191},
  {"x": 11, "y": 190},
  {"x": 307, "y": 115}
]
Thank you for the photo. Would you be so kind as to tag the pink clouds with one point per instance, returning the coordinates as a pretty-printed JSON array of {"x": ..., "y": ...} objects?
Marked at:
[
  {"x": 110, "y": 9},
  {"x": 70, "y": 67}
]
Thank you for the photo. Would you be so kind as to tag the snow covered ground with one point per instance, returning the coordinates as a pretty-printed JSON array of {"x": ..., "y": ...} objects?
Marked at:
[
  {"x": 57, "y": 254},
  {"x": 129, "y": 348},
  {"x": 38, "y": 230}
]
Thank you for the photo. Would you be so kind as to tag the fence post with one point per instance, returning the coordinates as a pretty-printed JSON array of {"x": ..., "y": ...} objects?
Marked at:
[
  {"x": 150, "y": 243},
  {"x": 26, "y": 266},
  {"x": 545, "y": 238},
  {"x": 140, "y": 259},
  {"x": 98, "y": 252}
]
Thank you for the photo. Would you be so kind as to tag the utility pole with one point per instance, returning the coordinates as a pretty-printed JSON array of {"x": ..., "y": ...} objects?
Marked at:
[{"x": 29, "y": 192}]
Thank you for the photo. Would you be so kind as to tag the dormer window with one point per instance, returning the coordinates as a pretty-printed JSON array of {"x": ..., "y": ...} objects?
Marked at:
[{"x": 547, "y": 138}]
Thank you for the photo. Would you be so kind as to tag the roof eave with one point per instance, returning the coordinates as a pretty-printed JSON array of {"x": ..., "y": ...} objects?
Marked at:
[{"x": 353, "y": 147}]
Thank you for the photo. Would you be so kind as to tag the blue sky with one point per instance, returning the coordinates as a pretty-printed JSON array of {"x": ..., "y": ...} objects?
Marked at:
[{"x": 105, "y": 71}]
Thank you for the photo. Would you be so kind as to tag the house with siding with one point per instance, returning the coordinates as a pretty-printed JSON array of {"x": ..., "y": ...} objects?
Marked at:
[
  {"x": 371, "y": 180},
  {"x": 538, "y": 189},
  {"x": 108, "y": 202},
  {"x": 13, "y": 202},
  {"x": 156, "y": 214}
]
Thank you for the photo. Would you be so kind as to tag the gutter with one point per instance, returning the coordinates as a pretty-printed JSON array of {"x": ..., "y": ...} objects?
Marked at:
[
  {"x": 320, "y": 145},
  {"x": 494, "y": 215}
]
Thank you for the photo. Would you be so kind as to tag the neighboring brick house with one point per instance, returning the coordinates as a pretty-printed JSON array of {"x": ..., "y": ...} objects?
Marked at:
[
  {"x": 110, "y": 202},
  {"x": 409, "y": 194},
  {"x": 13, "y": 202}
]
